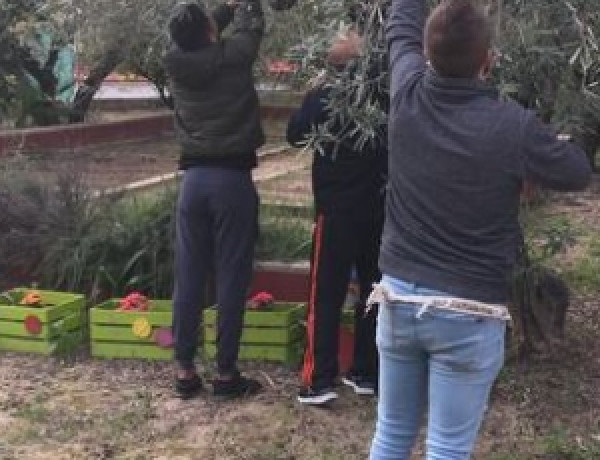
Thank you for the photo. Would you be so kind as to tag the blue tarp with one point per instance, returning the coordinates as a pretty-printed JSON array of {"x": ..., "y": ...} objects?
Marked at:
[{"x": 64, "y": 68}]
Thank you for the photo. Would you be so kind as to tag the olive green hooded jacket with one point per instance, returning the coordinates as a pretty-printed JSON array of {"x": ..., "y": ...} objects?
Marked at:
[{"x": 216, "y": 106}]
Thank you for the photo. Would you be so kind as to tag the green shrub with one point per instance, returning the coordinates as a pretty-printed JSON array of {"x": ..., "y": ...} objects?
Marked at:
[
  {"x": 558, "y": 446},
  {"x": 284, "y": 238},
  {"x": 584, "y": 274},
  {"x": 67, "y": 238}
]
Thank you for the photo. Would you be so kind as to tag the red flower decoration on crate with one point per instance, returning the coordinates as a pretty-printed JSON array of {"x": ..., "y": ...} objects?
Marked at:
[
  {"x": 134, "y": 302},
  {"x": 260, "y": 300},
  {"x": 33, "y": 325}
]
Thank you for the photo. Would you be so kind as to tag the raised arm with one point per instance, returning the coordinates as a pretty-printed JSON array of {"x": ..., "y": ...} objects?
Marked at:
[
  {"x": 551, "y": 162},
  {"x": 303, "y": 120},
  {"x": 223, "y": 15},
  {"x": 249, "y": 28},
  {"x": 404, "y": 32}
]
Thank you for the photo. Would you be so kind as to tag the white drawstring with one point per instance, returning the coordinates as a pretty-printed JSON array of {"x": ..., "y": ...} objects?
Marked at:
[
  {"x": 422, "y": 310},
  {"x": 381, "y": 295}
]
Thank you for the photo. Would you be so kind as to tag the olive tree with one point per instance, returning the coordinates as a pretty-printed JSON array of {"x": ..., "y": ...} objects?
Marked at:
[
  {"x": 550, "y": 62},
  {"x": 131, "y": 35},
  {"x": 549, "y": 58}
]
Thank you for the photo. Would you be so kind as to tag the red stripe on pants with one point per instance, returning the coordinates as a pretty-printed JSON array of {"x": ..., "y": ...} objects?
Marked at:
[{"x": 309, "y": 354}]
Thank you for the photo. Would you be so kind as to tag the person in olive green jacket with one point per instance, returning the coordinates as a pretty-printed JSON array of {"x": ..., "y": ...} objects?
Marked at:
[{"x": 217, "y": 124}]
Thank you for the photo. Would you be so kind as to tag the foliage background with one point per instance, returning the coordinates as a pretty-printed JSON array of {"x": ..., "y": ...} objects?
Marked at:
[
  {"x": 57, "y": 231},
  {"x": 549, "y": 60},
  {"x": 549, "y": 57}
]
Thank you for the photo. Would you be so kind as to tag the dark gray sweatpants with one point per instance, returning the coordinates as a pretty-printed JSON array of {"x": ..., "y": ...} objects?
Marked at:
[{"x": 216, "y": 229}]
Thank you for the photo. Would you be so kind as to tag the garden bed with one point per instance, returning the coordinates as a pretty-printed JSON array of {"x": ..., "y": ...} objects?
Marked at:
[
  {"x": 117, "y": 164},
  {"x": 154, "y": 125}
]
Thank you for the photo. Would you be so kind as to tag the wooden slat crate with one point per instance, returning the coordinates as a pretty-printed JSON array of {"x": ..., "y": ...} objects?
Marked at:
[
  {"x": 274, "y": 333},
  {"x": 57, "y": 324},
  {"x": 112, "y": 332}
]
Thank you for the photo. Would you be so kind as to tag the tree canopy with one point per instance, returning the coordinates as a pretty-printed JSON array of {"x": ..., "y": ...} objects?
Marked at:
[{"x": 549, "y": 58}]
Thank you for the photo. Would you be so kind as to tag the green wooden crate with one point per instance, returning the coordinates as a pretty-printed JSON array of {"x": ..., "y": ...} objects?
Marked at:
[
  {"x": 275, "y": 333},
  {"x": 290, "y": 354},
  {"x": 262, "y": 335},
  {"x": 112, "y": 334},
  {"x": 280, "y": 314},
  {"x": 60, "y": 321}
]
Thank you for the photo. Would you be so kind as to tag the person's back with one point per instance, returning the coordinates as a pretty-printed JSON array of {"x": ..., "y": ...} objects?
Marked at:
[
  {"x": 343, "y": 176},
  {"x": 217, "y": 112},
  {"x": 459, "y": 156},
  {"x": 458, "y": 159}
]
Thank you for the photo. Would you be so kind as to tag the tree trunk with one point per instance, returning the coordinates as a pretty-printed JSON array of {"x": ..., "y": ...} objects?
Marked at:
[{"x": 85, "y": 93}]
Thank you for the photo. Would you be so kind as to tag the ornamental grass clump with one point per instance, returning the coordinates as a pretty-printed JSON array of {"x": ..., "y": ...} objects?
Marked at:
[
  {"x": 58, "y": 233},
  {"x": 61, "y": 234}
]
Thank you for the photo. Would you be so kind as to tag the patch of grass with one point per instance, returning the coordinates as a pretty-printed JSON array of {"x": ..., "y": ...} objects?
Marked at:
[
  {"x": 130, "y": 420},
  {"x": 505, "y": 457},
  {"x": 548, "y": 235},
  {"x": 584, "y": 274},
  {"x": 34, "y": 411},
  {"x": 558, "y": 446},
  {"x": 287, "y": 210},
  {"x": 29, "y": 421},
  {"x": 68, "y": 239},
  {"x": 284, "y": 235},
  {"x": 18, "y": 434}
]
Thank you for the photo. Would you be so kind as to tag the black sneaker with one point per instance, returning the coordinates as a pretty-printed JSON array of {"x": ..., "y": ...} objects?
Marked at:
[
  {"x": 239, "y": 386},
  {"x": 188, "y": 388},
  {"x": 316, "y": 396},
  {"x": 361, "y": 385}
]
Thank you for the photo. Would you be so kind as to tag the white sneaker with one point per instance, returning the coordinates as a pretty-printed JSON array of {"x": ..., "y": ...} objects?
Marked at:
[
  {"x": 316, "y": 397},
  {"x": 360, "y": 385}
]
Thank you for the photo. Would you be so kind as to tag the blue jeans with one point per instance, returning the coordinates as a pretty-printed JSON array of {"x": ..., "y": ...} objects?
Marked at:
[{"x": 444, "y": 360}]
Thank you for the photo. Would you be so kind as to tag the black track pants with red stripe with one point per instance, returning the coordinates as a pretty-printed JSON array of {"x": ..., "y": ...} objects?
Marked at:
[{"x": 340, "y": 241}]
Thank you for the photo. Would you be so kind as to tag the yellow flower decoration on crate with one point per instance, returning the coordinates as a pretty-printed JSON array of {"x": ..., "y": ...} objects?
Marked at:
[{"x": 141, "y": 328}]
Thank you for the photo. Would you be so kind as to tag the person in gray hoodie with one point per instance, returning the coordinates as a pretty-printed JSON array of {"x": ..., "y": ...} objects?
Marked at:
[
  {"x": 458, "y": 158},
  {"x": 218, "y": 126}
]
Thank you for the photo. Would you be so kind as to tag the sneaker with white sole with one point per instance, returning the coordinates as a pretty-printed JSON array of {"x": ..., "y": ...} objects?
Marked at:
[
  {"x": 360, "y": 385},
  {"x": 316, "y": 396}
]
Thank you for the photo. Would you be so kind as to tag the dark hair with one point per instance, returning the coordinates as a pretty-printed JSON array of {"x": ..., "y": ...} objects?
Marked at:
[
  {"x": 189, "y": 27},
  {"x": 458, "y": 37}
]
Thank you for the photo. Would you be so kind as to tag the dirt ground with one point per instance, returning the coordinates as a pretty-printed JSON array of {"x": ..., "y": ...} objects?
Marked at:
[
  {"x": 111, "y": 165},
  {"x": 548, "y": 409},
  {"x": 282, "y": 174}
]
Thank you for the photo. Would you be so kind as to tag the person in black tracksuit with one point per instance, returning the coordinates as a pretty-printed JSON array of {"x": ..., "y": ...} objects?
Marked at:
[{"x": 349, "y": 188}]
